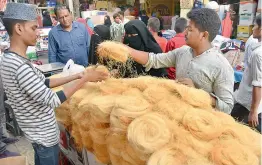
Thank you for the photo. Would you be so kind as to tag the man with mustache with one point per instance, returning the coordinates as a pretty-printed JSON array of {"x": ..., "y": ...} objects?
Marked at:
[{"x": 69, "y": 40}]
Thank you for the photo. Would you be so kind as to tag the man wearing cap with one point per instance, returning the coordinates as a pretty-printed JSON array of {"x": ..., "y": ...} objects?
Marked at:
[
  {"x": 69, "y": 40},
  {"x": 28, "y": 91}
]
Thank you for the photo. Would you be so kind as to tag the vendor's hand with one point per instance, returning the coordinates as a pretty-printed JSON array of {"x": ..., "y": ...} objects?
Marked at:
[
  {"x": 186, "y": 81},
  {"x": 80, "y": 75},
  {"x": 92, "y": 75},
  {"x": 253, "y": 119}
]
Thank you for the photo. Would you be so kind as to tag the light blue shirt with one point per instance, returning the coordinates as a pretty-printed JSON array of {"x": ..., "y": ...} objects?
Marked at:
[{"x": 64, "y": 45}]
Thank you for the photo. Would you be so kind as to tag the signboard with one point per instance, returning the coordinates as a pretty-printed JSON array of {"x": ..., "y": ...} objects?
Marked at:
[{"x": 163, "y": 9}]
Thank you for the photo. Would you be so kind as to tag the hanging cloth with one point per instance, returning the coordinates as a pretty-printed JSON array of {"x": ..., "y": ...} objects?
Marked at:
[{"x": 227, "y": 26}]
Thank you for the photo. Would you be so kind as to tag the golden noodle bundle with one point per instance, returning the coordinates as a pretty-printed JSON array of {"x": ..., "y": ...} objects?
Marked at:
[
  {"x": 154, "y": 94},
  {"x": 232, "y": 153},
  {"x": 149, "y": 133},
  {"x": 152, "y": 121},
  {"x": 195, "y": 97},
  {"x": 202, "y": 124},
  {"x": 113, "y": 50}
]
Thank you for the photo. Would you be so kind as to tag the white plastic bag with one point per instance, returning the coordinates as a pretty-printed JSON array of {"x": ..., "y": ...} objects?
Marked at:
[{"x": 71, "y": 68}]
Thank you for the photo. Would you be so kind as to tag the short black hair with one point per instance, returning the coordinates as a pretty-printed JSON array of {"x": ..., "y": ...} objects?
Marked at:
[
  {"x": 206, "y": 20},
  {"x": 60, "y": 7},
  {"x": 258, "y": 20},
  {"x": 10, "y": 23},
  {"x": 121, "y": 13},
  {"x": 116, "y": 15},
  {"x": 180, "y": 25}
]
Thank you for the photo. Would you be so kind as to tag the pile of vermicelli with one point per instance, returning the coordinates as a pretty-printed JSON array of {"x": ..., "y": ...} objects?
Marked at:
[{"x": 154, "y": 121}]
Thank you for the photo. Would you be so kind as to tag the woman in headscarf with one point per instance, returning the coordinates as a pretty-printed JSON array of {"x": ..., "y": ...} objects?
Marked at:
[
  {"x": 101, "y": 34},
  {"x": 107, "y": 21},
  {"x": 138, "y": 37},
  {"x": 83, "y": 21}
]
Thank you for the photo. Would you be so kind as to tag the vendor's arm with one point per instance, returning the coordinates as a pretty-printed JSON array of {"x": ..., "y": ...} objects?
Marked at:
[
  {"x": 156, "y": 61},
  {"x": 52, "y": 48},
  {"x": 55, "y": 82},
  {"x": 32, "y": 84},
  {"x": 222, "y": 96},
  {"x": 256, "y": 72},
  {"x": 88, "y": 76}
]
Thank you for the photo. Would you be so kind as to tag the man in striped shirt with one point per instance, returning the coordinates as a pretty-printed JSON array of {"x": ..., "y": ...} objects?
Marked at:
[{"x": 28, "y": 91}]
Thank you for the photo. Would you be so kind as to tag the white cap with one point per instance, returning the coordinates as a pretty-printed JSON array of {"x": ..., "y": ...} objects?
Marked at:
[{"x": 212, "y": 5}]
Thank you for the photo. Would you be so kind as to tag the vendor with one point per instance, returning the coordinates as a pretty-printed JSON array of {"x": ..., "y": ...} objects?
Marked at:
[
  {"x": 28, "y": 91},
  {"x": 68, "y": 40},
  {"x": 198, "y": 64}
]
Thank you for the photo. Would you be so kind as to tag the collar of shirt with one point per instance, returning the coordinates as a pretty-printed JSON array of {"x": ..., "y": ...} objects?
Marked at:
[
  {"x": 74, "y": 25},
  {"x": 13, "y": 53},
  {"x": 256, "y": 45},
  {"x": 207, "y": 52}
]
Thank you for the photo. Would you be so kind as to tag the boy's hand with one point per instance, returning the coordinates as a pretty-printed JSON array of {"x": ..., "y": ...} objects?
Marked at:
[{"x": 94, "y": 76}]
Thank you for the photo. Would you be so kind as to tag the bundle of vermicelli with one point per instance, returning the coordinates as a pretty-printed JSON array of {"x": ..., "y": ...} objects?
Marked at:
[
  {"x": 154, "y": 121},
  {"x": 112, "y": 86},
  {"x": 141, "y": 83},
  {"x": 173, "y": 108},
  {"x": 127, "y": 109},
  {"x": 195, "y": 97},
  {"x": 76, "y": 99},
  {"x": 149, "y": 133},
  {"x": 101, "y": 106},
  {"x": 244, "y": 135},
  {"x": 63, "y": 115},
  {"x": 154, "y": 94},
  {"x": 113, "y": 50},
  {"x": 231, "y": 152},
  {"x": 203, "y": 124}
]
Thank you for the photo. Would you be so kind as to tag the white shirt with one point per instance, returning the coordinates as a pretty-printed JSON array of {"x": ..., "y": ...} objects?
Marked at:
[
  {"x": 252, "y": 77},
  {"x": 248, "y": 50}
]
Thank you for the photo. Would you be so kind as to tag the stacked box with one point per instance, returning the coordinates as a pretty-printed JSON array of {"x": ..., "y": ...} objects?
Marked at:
[{"x": 247, "y": 12}]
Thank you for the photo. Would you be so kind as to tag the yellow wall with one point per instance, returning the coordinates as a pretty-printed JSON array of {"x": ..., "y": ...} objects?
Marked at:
[{"x": 167, "y": 4}]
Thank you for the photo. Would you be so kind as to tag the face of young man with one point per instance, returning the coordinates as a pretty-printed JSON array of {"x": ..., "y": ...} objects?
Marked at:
[
  {"x": 193, "y": 36},
  {"x": 65, "y": 18},
  {"x": 28, "y": 32},
  {"x": 256, "y": 31}
]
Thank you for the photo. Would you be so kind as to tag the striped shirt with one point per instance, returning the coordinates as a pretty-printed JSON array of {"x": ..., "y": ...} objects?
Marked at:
[{"x": 31, "y": 99}]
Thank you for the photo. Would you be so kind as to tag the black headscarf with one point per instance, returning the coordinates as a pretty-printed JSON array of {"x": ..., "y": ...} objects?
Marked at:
[
  {"x": 107, "y": 22},
  {"x": 102, "y": 33},
  {"x": 143, "y": 41}
]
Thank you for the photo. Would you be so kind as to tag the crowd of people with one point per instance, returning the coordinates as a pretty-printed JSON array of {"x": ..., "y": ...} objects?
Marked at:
[{"x": 189, "y": 58}]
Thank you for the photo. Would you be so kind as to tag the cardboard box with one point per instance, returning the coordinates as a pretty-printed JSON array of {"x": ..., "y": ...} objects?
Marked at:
[
  {"x": 247, "y": 7},
  {"x": 246, "y": 19},
  {"x": 243, "y": 39},
  {"x": 18, "y": 160},
  {"x": 244, "y": 31}
]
